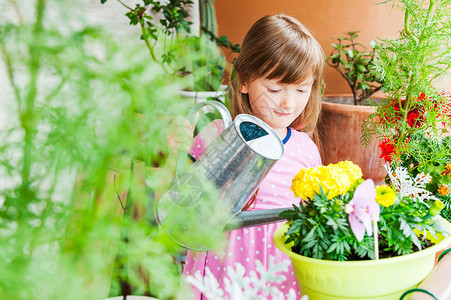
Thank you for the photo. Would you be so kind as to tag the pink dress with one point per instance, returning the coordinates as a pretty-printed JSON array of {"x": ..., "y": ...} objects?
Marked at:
[{"x": 247, "y": 245}]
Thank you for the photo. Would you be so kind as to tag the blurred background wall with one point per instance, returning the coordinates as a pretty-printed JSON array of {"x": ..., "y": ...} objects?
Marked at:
[{"x": 325, "y": 18}]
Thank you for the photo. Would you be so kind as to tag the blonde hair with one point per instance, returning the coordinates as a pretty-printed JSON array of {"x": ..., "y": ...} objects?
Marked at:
[{"x": 279, "y": 47}]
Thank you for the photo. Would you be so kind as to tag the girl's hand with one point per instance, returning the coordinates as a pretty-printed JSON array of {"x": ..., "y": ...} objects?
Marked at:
[{"x": 180, "y": 134}]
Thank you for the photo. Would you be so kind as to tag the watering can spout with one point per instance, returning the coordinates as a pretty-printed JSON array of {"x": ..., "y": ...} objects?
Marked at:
[{"x": 254, "y": 218}]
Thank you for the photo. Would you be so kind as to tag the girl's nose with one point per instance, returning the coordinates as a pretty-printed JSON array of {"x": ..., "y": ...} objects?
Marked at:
[{"x": 287, "y": 102}]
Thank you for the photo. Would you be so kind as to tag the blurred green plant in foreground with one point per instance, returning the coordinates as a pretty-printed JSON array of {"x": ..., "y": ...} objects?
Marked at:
[{"x": 85, "y": 118}]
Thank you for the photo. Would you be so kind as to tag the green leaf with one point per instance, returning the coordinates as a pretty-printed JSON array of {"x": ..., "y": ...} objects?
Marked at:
[
  {"x": 289, "y": 214},
  {"x": 294, "y": 228},
  {"x": 335, "y": 55},
  {"x": 361, "y": 68},
  {"x": 331, "y": 222},
  {"x": 310, "y": 234},
  {"x": 320, "y": 232},
  {"x": 103, "y": 1}
]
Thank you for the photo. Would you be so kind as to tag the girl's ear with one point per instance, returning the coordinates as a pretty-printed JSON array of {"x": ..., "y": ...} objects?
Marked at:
[{"x": 243, "y": 88}]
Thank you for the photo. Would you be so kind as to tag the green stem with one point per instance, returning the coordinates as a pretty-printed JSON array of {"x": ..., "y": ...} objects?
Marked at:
[
  {"x": 428, "y": 18},
  {"x": 10, "y": 71},
  {"x": 27, "y": 115},
  {"x": 407, "y": 103},
  {"x": 406, "y": 23},
  {"x": 146, "y": 39},
  {"x": 149, "y": 47},
  {"x": 125, "y": 5},
  {"x": 353, "y": 85},
  {"x": 17, "y": 10},
  {"x": 28, "y": 122}
]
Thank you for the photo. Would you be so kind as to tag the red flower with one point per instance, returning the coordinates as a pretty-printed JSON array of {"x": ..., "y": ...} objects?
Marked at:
[
  {"x": 446, "y": 106},
  {"x": 414, "y": 118},
  {"x": 388, "y": 149},
  {"x": 392, "y": 117},
  {"x": 393, "y": 113},
  {"x": 422, "y": 97}
]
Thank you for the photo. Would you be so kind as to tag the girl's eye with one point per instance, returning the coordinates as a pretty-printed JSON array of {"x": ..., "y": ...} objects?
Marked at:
[
  {"x": 302, "y": 91},
  {"x": 274, "y": 91}
]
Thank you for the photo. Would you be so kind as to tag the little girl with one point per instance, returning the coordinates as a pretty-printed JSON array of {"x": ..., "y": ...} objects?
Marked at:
[{"x": 277, "y": 78}]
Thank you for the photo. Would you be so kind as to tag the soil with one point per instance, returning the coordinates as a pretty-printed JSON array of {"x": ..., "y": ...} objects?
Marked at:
[
  {"x": 383, "y": 254},
  {"x": 387, "y": 254}
]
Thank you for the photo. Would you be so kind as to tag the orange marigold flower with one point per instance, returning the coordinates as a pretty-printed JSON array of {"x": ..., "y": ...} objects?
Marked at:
[
  {"x": 443, "y": 190},
  {"x": 447, "y": 170}
]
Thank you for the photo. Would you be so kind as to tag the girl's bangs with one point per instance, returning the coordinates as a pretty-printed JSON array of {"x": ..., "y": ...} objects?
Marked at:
[{"x": 294, "y": 66}]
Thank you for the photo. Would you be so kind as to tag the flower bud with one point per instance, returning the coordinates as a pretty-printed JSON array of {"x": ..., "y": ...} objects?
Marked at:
[
  {"x": 436, "y": 208},
  {"x": 357, "y": 183},
  {"x": 337, "y": 206}
]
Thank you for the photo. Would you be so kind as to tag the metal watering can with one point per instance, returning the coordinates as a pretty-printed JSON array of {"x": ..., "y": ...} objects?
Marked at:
[{"x": 207, "y": 197}]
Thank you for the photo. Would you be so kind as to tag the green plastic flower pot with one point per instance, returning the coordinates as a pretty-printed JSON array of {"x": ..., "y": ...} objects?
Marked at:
[{"x": 387, "y": 278}]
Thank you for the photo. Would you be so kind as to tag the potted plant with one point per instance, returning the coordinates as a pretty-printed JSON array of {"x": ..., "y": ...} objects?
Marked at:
[
  {"x": 342, "y": 115},
  {"x": 350, "y": 239},
  {"x": 74, "y": 204},
  {"x": 412, "y": 126},
  {"x": 353, "y": 62},
  {"x": 170, "y": 42}
]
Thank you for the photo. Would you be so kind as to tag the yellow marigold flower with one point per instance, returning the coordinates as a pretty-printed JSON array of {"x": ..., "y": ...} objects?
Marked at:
[
  {"x": 443, "y": 190},
  {"x": 335, "y": 179},
  {"x": 306, "y": 183},
  {"x": 385, "y": 195},
  {"x": 354, "y": 172}
]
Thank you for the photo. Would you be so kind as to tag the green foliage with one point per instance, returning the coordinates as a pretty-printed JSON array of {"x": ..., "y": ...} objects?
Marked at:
[
  {"x": 412, "y": 125},
  {"x": 354, "y": 64},
  {"x": 430, "y": 156},
  {"x": 398, "y": 223},
  {"x": 319, "y": 228},
  {"x": 203, "y": 56},
  {"x": 421, "y": 54},
  {"x": 409, "y": 66},
  {"x": 172, "y": 37},
  {"x": 222, "y": 41},
  {"x": 84, "y": 115}
]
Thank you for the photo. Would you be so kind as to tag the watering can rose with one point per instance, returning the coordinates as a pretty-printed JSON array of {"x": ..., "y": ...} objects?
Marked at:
[{"x": 335, "y": 179}]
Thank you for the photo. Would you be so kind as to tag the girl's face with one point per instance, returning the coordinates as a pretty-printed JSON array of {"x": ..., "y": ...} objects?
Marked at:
[{"x": 277, "y": 104}]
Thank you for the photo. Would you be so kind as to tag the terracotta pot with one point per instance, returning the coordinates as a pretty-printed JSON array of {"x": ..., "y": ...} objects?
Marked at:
[{"x": 340, "y": 131}]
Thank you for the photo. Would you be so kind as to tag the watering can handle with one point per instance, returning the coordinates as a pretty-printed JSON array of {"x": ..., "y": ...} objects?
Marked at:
[{"x": 226, "y": 118}]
